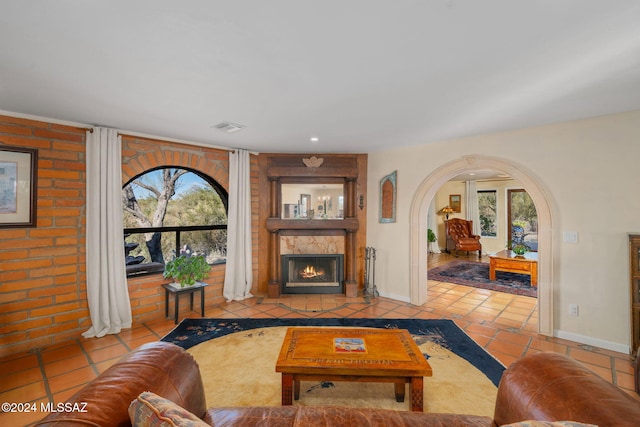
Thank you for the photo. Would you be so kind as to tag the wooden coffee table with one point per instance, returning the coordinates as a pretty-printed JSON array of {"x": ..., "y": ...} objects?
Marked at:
[
  {"x": 352, "y": 354},
  {"x": 508, "y": 261}
]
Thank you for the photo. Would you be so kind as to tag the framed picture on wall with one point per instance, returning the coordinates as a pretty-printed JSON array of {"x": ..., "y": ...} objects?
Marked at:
[
  {"x": 18, "y": 184},
  {"x": 454, "y": 202}
]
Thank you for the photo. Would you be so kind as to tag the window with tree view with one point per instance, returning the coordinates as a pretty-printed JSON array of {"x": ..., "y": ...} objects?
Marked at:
[
  {"x": 169, "y": 212},
  {"x": 487, "y": 206}
]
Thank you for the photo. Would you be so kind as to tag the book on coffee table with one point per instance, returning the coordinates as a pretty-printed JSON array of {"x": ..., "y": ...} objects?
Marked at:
[{"x": 349, "y": 345}]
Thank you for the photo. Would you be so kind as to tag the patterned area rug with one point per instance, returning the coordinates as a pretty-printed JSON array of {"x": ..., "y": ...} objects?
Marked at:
[
  {"x": 476, "y": 274},
  {"x": 238, "y": 370},
  {"x": 445, "y": 333}
]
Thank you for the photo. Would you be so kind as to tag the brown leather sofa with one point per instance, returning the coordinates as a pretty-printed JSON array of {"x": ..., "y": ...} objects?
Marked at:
[
  {"x": 543, "y": 386},
  {"x": 460, "y": 236}
]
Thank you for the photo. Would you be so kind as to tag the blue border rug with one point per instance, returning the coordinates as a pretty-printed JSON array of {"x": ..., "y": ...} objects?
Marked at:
[
  {"x": 476, "y": 274},
  {"x": 446, "y": 333}
]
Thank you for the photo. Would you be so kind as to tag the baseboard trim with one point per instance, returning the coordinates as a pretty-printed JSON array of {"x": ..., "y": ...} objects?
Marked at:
[
  {"x": 583, "y": 339},
  {"x": 402, "y": 298}
]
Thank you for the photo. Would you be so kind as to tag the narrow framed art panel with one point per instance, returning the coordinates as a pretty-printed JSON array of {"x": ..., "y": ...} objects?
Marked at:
[
  {"x": 18, "y": 185},
  {"x": 387, "y": 211}
]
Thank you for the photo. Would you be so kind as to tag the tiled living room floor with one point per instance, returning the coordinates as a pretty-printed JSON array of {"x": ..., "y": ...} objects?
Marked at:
[{"x": 503, "y": 324}]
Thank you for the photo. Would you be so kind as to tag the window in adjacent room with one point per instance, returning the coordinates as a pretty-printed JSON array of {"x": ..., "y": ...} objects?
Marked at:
[
  {"x": 487, "y": 206},
  {"x": 169, "y": 212},
  {"x": 522, "y": 218}
]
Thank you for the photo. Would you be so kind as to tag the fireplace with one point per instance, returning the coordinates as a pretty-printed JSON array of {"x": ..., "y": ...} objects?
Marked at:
[{"x": 312, "y": 274}]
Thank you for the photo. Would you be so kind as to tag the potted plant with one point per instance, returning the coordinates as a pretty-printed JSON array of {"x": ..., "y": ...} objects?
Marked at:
[
  {"x": 186, "y": 270},
  {"x": 519, "y": 248},
  {"x": 431, "y": 238}
]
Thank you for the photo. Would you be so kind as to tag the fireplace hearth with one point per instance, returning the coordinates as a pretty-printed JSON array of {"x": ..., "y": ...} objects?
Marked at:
[{"x": 312, "y": 274}]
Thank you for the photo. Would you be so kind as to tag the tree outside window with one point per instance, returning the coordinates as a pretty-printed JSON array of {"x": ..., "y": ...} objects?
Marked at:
[
  {"x": 487, "y": 206},
  {"x": 184, "y": 206}
]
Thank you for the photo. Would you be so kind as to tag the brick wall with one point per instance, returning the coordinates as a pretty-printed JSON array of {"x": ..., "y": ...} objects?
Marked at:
[{"x": 42, "y": 269}]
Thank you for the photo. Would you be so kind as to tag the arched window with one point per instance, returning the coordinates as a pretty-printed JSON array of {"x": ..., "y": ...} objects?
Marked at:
[{"x": 172, "y": 211}]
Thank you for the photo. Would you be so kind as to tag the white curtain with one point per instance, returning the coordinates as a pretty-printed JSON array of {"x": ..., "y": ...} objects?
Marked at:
[
  {"x": 239, "y": 272},
  {"x": 107, "y": 292},
  {"x": 433, "y": 225},
  {"x": 472, "y": 212}
]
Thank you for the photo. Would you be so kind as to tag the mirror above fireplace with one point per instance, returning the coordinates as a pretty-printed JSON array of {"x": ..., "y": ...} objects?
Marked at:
[{"x": 312, "y": 201}]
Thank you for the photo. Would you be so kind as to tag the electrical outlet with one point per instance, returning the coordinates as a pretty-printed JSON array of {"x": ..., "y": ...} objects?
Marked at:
[{"x": 573, "y": 309}]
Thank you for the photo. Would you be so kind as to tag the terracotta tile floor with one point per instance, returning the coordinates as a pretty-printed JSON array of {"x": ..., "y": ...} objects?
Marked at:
[{"x": 505, "y": 325}]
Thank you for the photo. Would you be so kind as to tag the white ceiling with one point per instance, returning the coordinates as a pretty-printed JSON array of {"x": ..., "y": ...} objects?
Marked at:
[{"x": 361, "y": 75}]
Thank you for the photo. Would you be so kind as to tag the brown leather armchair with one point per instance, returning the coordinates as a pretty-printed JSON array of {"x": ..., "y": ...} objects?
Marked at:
[{"x": 460, "y": 234}]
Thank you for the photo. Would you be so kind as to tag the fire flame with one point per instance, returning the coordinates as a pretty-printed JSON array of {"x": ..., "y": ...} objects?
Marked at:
[{"x": 310, "y": 272}]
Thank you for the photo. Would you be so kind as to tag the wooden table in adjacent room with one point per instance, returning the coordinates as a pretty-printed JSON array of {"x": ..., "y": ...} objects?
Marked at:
[
  {"x": 510, "y": 262},
  {"x": 352, "y": 354}
]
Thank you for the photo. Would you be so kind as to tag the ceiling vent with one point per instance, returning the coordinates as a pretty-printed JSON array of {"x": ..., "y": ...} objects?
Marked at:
[{"x": 229, "y": 127}]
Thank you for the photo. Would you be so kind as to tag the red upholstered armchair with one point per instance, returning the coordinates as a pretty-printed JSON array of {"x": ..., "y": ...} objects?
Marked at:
[{"x": 460, "y": 234}]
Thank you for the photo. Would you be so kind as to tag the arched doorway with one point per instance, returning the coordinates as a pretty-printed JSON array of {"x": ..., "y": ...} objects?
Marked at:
[{"x": 418, "y": 217}]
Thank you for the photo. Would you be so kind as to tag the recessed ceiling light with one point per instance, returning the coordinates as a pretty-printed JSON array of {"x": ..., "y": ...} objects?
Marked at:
[
  {"x": 471, "y": 173},
  {"x": 314, "y": 139},
  {"x": 229, "y": 127}
]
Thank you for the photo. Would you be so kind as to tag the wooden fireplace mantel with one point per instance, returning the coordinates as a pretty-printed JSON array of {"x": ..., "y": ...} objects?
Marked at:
[
  {"x": 350, "y": 169},
  {"x": 347, "y": 224}
]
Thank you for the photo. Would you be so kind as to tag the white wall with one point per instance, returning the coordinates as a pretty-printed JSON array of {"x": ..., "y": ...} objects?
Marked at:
[{"x": 587, "y": 167}]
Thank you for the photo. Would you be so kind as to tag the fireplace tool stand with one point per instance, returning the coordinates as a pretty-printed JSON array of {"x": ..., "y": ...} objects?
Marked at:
[{"x": 370, "y": 290}]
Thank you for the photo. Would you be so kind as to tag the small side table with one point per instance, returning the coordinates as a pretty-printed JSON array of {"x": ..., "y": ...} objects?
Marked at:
[{"x": 176, "y": 292}]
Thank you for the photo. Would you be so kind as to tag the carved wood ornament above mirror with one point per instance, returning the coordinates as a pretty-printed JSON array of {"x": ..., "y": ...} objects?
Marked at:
[{"x": 313, "y": 162}]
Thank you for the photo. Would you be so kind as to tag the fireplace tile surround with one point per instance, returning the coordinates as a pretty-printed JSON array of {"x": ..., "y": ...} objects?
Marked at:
[{"x": 312, "y": 245}]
